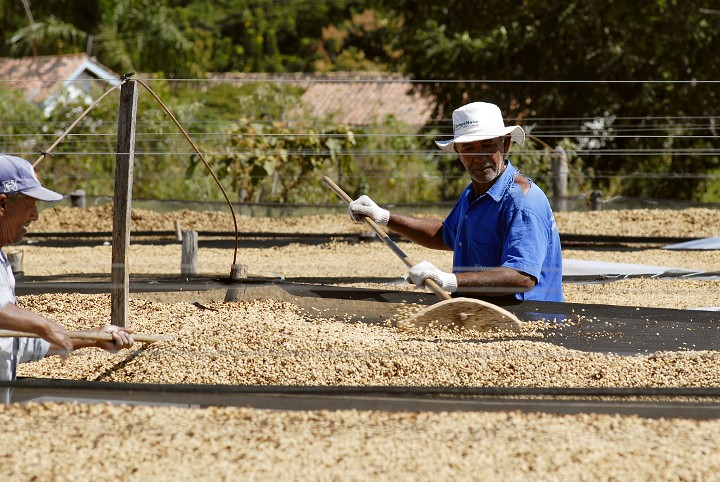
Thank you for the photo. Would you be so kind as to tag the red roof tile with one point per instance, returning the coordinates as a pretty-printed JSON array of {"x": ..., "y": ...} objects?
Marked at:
[{"x": 352, "y": 98}]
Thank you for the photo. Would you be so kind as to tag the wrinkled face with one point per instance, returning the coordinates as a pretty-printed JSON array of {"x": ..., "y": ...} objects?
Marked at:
[
  {"x": 484, "y": 160},
  {"x": 18, "y": 211}
]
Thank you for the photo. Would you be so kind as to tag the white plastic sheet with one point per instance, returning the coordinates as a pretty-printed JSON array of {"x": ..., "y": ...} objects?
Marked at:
[
  {"x": 574, "y": 267},
  {"x": 705, "y": 243}
]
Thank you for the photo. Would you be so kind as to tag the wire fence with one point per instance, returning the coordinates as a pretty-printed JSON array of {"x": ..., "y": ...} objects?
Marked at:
[{"x": 159, "y": 139}]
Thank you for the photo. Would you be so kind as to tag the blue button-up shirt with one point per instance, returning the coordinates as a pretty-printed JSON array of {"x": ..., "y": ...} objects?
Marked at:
[{"x": 507, "y": 228}]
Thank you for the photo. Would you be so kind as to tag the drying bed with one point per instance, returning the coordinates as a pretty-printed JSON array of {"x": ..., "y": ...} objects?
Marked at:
[{"x": 234, "y": 345}]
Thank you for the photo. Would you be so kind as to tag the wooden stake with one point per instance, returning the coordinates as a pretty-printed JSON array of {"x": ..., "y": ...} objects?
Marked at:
[
  {"x": 77, "y": 198},
  {"x": 120, "y": 275},
  {"x": 560, "y": 179},
  {"x": 238, "y": 271},
  {"x": 178, "y": 230},
  {"x": 188, "y": 264}
]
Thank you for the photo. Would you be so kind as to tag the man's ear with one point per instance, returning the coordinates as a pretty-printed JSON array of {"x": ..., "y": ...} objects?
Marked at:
[{"x": 3, "y": 203}]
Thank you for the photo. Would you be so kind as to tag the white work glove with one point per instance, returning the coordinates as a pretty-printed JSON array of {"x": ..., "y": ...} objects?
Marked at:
[
  {"x": 425, "y": 269},
  {"x": 366, "y": 207}
]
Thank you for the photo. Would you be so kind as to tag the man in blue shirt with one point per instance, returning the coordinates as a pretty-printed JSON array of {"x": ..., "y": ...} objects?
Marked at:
[{"x": 502, "y": 230}]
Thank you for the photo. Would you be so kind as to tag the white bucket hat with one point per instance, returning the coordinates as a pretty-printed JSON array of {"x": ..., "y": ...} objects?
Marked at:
[{"x": 479, "y": 121}]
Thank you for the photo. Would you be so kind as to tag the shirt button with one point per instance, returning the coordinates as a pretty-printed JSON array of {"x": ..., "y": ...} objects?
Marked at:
[
  {"x": 460, "y": 244},
  {"x": 466, "y": 216}
]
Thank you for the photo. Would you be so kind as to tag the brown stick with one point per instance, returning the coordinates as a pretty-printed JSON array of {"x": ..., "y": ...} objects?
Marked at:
[
  {"x": 83, "y": 335},
  {"x": 429, "y": 282},
  {"x": 454, "y": 312}
]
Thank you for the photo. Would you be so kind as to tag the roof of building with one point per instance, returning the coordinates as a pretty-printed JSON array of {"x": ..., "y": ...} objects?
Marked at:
[
  {"x": 352, "y": 98},
  {"x": 42, "y": 77}
]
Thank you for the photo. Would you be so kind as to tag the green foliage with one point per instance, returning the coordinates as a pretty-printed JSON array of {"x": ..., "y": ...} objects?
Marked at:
[
  {"x": 638, "y": 138},
  {"x": 188, "y": 37},
  {"x": 391, "y": 164},
  {"x": 127, "y": 35},
  {"x": 278, "y": 162},
  {"x": 569, "y": 44},
  {"x": 712, "y": 192},
  {"x": 51, "y": 36},
  {"x": 17, "y": 116},
  {"x": 85, "y": 158},
  {"x": 360, "y": 43}
]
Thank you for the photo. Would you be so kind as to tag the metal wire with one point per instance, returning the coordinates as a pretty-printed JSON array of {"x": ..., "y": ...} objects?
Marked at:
[{"x": 227, "y": 199}]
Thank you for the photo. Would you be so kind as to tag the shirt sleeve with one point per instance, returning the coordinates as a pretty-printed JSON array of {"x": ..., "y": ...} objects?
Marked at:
[
  {"x": 6, "y": 294},
  {"x": 32, "y": 349},
  {"x": 527, "y": 243}
]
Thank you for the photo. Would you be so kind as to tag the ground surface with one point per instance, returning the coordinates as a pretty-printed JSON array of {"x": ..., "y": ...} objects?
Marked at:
[
  {"x": 169, "y": 444},
  {"x": 271, "y": 342}
]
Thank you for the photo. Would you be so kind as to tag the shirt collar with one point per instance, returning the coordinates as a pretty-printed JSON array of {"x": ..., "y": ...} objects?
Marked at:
[{"x": 501, "y": 185}]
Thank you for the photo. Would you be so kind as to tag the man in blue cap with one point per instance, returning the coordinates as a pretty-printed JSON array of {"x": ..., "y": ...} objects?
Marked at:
[
  {"x": 502, "y": 230},
  {"x": 19, "y": 191}
]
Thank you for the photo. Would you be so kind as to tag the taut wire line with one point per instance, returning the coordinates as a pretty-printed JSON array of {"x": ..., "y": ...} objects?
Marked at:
[
  {"x": 44, "y": 154},
  {"x": 571, "y": 167},
  {"x": 202, "y": 158},
  {"x": 125, "y": 78}
]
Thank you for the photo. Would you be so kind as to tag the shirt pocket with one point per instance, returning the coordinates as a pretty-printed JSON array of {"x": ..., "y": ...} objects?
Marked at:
[{"x": 484, "y": 254}]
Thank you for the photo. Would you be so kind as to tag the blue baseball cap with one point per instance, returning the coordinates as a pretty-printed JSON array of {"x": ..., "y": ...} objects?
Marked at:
[{"x": 18, "y": 176}]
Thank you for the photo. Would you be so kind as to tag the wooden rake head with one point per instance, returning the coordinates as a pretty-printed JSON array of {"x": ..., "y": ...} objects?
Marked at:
[{"x": 462, "y": 314}]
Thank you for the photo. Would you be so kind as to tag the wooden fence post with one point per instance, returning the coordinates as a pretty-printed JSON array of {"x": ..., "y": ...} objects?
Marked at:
[
  {"x": 188, "y": 263},
  {"x": 77, "y": 198},
  {"x": 559, "y": 179},
  {"x": 120, "y": 274},
  {"x": 178, "y": 230}
]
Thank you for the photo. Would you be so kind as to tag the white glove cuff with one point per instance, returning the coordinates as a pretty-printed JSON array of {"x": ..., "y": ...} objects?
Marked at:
[
  {"x": 382, "y": 217},
  {"x": 450, "y": 283}
]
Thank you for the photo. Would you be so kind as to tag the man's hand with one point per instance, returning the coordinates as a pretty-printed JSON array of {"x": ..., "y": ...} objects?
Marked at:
[
  {"x": 56, "y": 335},
  {"x": 366, "y": 207},
  {"x": 424, "y": 269},
  {"x": 122, "y": 338},
  {"x": 12, "y": 317}
]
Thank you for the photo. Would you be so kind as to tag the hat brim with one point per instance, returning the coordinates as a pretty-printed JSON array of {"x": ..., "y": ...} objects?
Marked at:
[
  {"x": 43, "y": 194},
  {"x": 517, "y": 134}
]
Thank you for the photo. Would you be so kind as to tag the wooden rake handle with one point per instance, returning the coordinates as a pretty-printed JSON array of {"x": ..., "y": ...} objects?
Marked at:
[
  {"x": 429, "y": 282},
  {"x": 82, "y": 335}
]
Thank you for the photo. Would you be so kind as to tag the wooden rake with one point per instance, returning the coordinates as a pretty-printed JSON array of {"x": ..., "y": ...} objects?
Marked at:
[
  {"x": 82, "y": 335},
  {"x": 450, "y": 313}
]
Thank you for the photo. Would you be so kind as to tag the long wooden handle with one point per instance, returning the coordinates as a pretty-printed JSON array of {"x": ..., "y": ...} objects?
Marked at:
[
  {"x": 429, "y": 282},
  {"x": 83, "y": 335}
]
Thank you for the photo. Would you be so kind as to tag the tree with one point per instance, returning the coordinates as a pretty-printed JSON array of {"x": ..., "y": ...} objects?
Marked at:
[
  {"x": 273, "y": 161},
  {"x": 127, "y": 35},
  {"x": 608, "y": 64},
  {"x": 20, "y": 121}
]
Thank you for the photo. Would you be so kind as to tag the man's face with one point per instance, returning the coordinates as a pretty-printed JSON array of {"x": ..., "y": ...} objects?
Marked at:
[
  {"x": 483, "y": 160},
  {"x": 18, "y": 211}
]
